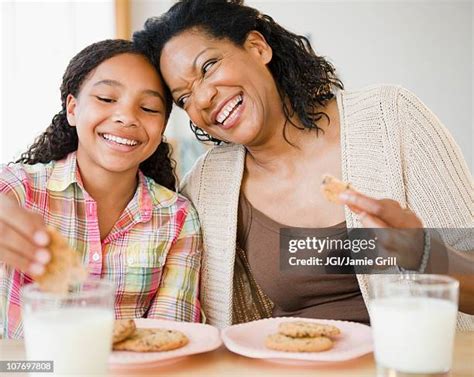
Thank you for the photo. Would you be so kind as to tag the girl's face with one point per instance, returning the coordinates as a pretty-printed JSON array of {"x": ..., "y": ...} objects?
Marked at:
[
  {"x": 227, "y": 90},
  {"x": 119, "y": 114}
]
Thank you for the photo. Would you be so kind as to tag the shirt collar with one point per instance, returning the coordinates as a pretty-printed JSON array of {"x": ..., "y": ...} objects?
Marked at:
[
  {"x": 149, "y": 194},
  {"x": 65, "y": 172}
]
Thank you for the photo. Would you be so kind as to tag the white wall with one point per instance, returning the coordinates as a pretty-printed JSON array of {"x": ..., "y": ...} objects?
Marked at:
[
  {"x": 426, "y": 46},
  {"x": 37, "y": 41}
]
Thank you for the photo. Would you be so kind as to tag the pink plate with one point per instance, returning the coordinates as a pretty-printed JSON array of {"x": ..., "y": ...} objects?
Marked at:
[
  {"x": 202, "y": 338},
  {"x": 248, "y": 339}
]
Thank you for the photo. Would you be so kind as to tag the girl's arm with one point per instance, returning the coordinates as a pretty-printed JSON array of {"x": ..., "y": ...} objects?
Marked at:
[
  {"x": 177, "y": 296},
  {"x": 23, "y": 235}
]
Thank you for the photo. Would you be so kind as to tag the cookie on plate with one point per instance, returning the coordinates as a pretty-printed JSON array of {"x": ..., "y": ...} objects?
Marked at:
[
  {"x": 152, "y": 340},
  {"x": 65, "y": 267},
  {"x": 123, "y": 328},
  {"x": 331, "y": 188},
  {"x": 301, "y": 329},
  {"x": 280, "y": 342}
]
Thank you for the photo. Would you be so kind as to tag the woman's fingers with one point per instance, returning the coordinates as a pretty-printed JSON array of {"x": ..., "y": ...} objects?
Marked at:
[
  {"x": 369, "y": 221},
  {"x": 30, "y": 225},
  {"x": 387, "y": 211}
]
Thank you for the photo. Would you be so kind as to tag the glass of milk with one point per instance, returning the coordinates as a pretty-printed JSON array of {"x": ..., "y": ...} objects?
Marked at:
[
  {"x": 74, "y": 330},
  {"x": 413, "y": 318}
]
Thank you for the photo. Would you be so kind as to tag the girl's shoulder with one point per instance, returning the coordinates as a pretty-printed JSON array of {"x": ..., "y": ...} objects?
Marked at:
[
  {"x": 37, "y": 173},
  {"x": 163, "y": 197}
]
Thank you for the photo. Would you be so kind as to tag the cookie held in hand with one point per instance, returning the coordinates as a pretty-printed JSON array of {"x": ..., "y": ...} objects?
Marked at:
[
  {"x": 152, "y": 340},
  {"x": 65, "y": 267},
  {"x": 331, "y": 188}
]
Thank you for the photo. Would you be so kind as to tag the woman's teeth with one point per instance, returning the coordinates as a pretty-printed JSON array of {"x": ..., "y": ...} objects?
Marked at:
[
  {"x": 119, "y": 140},
  {"x": 227, "y": 110}
]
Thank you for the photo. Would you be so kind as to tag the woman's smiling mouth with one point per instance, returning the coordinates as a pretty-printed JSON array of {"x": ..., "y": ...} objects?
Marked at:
[{"x": 226, "y": 116}]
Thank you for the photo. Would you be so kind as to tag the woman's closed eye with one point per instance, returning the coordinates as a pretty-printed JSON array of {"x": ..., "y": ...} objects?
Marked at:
[
  {"x": 207, "y": 66},
  {"x": 181, "y": 101}
]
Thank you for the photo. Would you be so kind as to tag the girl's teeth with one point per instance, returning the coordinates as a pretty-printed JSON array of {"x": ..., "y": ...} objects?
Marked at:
[{"x": 119, "y": 140}]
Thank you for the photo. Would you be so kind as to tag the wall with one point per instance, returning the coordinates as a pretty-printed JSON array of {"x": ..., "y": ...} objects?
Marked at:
[
  {"x": 426, "y": 46},
  {"x": 37, "y": 41}
]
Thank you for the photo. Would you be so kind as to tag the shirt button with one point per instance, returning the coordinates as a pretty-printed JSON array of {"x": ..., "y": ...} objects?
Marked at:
[
  {"x": 95, "y": 257},
  {"x": 130, "y": 260}
]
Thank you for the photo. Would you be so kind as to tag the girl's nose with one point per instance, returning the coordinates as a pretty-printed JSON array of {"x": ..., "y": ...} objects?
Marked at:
[{"x": 126, "y": 116}]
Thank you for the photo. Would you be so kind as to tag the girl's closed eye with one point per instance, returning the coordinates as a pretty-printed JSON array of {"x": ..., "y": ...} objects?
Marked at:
[
  {"x": 151, "y": 109},
  {"x": 105, "y": 99}
]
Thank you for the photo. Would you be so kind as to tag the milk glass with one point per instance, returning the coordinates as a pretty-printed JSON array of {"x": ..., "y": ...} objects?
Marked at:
[
  {"x": 413, "y": 318},
  {"x": 74, "y": 330}
]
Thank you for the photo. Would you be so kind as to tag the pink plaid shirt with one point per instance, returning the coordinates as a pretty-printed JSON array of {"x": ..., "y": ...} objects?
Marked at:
[{"x": 152, "y": 253}]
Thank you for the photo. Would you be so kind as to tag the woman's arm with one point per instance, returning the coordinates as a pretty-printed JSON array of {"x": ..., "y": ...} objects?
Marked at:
[{"x": 439, "y": 192}]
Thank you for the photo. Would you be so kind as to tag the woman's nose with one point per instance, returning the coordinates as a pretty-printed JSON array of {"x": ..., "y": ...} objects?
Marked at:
[{"x": 204, "y": 95}]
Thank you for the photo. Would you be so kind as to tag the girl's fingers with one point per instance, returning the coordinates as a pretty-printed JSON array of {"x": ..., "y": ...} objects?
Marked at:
[
  {"x": 18, "y": 261},
  {"x": 13, "y": 241},
  {"x": 30, "y": 225}
]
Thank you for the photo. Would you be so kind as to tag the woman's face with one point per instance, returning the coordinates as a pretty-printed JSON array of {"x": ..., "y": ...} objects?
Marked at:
[
  {"x": 119, "y": 114},
  {"x": 227, "y": 90}
]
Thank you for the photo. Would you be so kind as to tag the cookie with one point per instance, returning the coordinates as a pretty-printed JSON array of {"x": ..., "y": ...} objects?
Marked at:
[
  {"x": 65, "y": 267},
  {"x": 123, "y": 328},
  {"x": 331, "y": 187},
  {"x": 280, "y": 342},
  {"x": 302, "y": 329},
  {"x": 152, "y": 340}
]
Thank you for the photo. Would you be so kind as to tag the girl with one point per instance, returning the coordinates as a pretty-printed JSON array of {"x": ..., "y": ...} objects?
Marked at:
[{"x": 102, "y": 176}]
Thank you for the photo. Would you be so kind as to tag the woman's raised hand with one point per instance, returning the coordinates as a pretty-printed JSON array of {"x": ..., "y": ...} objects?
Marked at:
[
  {"x": 23, "y": 238},
  {"x": 406, "y": 238}
]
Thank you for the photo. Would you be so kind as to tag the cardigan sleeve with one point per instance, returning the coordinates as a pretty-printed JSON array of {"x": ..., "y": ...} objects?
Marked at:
[
  {"x": 438, "y": 183},
  {"x": 439, "y": 186},
  {"x": 191, "y": 184}
]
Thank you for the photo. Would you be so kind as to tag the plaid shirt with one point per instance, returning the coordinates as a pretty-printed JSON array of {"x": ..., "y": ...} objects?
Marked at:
[{"x": 152, "y": 253}]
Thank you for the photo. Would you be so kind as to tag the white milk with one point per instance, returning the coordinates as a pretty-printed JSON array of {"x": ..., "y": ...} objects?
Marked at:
[
  {"x": 415, "y": 334},
  {"x": 78, "y": 340}
]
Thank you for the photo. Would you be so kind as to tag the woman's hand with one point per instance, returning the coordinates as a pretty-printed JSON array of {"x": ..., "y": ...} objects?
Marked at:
[
  {"x": 405, "y": 240},
  {"x": 23, "y": 238}
]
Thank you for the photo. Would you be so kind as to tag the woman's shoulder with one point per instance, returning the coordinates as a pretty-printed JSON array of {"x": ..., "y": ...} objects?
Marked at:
[{"x": 372, "y": 94}]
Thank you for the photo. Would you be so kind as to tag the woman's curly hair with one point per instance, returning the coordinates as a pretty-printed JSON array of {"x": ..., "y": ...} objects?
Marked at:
[
  {"x": 60, "y": 138},
  {"x": 305, "y": 80}
]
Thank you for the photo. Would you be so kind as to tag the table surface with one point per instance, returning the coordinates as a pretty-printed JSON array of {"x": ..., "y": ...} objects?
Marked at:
[{"x": 222, "y": 362}]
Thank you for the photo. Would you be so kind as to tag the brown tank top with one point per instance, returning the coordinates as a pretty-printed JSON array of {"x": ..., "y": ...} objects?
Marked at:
[{"x": 327, "y": 296}]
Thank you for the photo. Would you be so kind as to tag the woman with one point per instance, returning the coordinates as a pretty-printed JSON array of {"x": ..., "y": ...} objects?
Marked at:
[{"x": 285, "y": 121}]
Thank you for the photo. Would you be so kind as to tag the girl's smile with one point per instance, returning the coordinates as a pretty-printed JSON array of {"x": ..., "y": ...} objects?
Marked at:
[{"x": 119, "y": 114}]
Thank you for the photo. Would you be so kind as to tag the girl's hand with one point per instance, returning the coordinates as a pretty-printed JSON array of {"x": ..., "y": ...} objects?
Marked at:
[
  {"x": 23, "y": 238},
  {"x": 405, "y": 241}
]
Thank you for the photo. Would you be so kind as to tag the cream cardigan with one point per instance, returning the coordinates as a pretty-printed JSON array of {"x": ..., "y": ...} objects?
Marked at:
[{"x": 392, "y": 145}]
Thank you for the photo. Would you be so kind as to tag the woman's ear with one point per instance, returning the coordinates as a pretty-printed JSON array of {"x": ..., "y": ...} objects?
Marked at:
[
  {"x": 71, "y": 110},
  {"x": 257, "y": 44}
]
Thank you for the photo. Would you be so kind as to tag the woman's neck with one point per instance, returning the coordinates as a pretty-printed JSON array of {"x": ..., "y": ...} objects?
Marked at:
[{"x": 277, "y": 154}]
